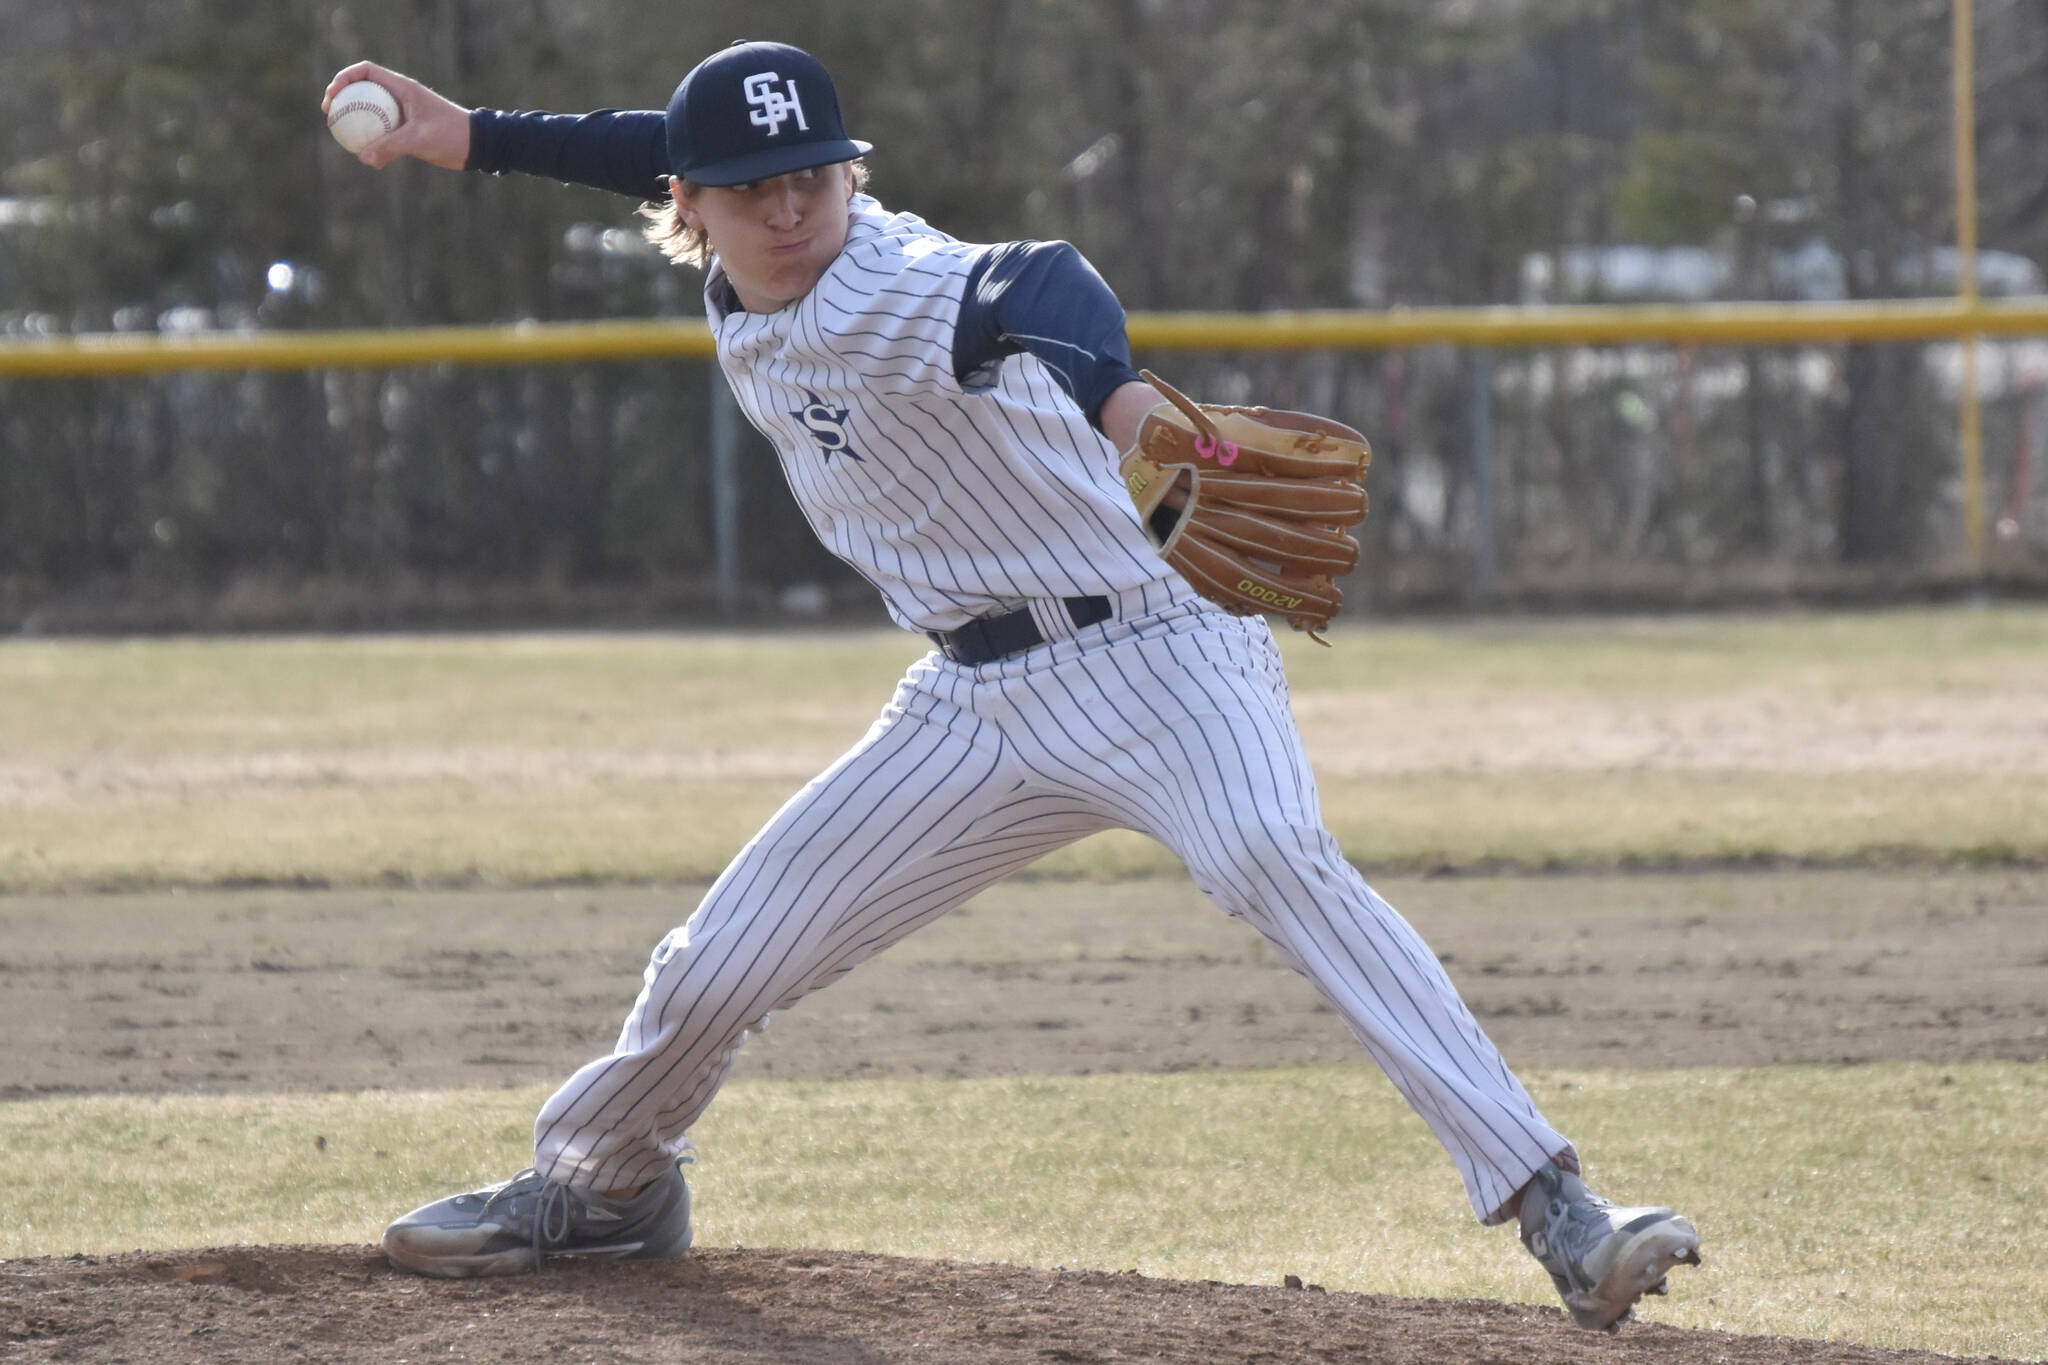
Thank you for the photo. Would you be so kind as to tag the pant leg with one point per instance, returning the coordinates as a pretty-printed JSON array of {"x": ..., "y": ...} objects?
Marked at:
[
  {"x": 1193, "y": 730},
  {"x": 924, "y": 812}
]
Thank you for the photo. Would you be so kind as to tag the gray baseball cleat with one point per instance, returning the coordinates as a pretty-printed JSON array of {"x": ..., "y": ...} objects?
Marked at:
[
  {"x": 515, "y": 1225},
  {"x": 1601, "y": 1258}
]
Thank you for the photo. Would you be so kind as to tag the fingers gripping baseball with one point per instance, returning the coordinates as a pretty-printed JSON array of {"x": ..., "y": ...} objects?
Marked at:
[
  {"x": 1268, "y": 497},
  {"x": 431, "y": 127}
]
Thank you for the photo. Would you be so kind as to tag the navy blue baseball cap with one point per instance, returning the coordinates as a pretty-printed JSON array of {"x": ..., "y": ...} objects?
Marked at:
[{"x": 756, "y": 110}]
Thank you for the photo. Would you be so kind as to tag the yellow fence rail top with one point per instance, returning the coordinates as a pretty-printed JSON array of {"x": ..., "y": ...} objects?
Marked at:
[
  {"x": 1705, "y": 324},
  {"x": 122, "y": 353},
  {"x": 111, "y": 353}
]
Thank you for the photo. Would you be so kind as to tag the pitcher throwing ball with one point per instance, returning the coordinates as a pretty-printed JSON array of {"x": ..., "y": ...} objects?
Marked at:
[{"x": 961, "y": 423}]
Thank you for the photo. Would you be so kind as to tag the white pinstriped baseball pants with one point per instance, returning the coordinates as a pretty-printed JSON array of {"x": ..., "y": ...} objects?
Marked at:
[{"x": 1174, "y": 723}]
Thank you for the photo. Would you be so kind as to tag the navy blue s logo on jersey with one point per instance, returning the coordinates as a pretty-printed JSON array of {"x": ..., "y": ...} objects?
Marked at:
[{"x": 827, "y": 426}]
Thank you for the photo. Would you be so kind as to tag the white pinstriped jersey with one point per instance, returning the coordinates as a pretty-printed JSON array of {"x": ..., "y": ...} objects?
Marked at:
[{"x": 955, "y": 502}]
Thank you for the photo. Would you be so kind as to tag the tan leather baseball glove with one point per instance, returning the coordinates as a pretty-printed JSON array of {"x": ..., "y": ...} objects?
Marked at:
[{"x": 1268, "y": 495}]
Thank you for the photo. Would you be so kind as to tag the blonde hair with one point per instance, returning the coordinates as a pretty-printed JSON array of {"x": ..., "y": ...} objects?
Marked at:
[{"x": 686, "y": 245}]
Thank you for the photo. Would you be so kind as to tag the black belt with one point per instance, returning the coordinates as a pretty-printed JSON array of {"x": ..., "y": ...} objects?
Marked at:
[{"x": 995, "y": 637}]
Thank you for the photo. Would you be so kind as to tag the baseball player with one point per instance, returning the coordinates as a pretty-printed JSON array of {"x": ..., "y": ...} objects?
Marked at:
[{"x": 949, "y": 417}]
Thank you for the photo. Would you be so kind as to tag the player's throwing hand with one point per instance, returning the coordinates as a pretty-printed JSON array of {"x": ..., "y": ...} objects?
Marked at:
[{"x": 434, "y": 129}]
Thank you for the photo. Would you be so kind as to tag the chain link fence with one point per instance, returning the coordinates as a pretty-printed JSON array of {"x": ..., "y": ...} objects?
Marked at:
[{"x": 446, "y": 496}]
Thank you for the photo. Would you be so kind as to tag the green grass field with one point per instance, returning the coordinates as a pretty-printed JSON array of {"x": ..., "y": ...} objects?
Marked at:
[
  {"x": 1889, "y": 1204},
  {"x": 1876, "y": 737}
]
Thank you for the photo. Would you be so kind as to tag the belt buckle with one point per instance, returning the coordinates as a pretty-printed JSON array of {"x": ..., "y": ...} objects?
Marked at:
[{"x": 965, "y": 644}]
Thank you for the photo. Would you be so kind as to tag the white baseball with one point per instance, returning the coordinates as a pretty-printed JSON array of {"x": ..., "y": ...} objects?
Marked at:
[{"x": 362, "y": 112}]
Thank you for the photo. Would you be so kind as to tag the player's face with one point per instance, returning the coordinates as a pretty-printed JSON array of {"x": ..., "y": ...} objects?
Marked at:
[{"x": 775, "y": 237}]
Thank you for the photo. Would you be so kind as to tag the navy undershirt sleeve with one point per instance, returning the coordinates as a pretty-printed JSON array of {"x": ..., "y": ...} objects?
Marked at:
[
  {"x": 625, "y": 151},
  {"x": 1043, "y": 297}
]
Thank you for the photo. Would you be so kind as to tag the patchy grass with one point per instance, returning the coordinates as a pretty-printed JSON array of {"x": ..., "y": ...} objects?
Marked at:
[
  {"x": 1880, "y": 737},
  {"x": 1848, "y": 1203}
]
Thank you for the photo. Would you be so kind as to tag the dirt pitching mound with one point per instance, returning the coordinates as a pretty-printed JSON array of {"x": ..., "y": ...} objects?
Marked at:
[{"x": 809, "y": 1308}]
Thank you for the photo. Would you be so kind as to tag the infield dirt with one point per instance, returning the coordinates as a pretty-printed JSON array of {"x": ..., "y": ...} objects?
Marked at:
[{"x": 340, "y": 990}]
